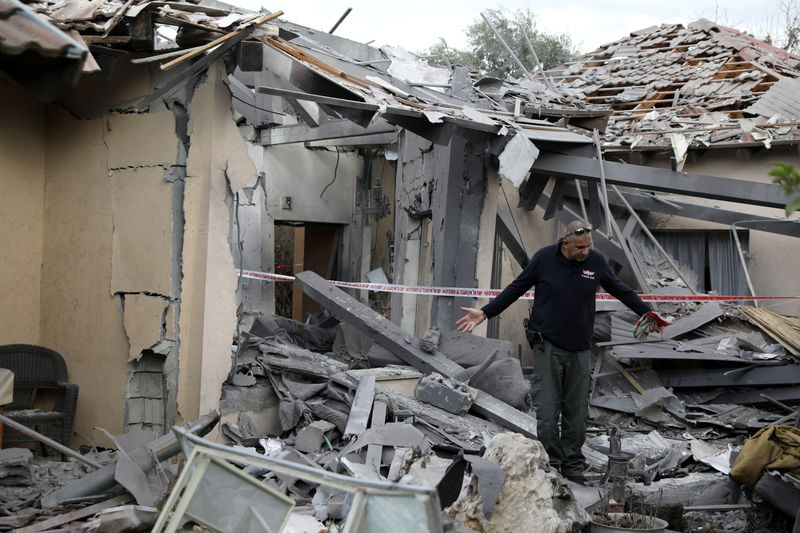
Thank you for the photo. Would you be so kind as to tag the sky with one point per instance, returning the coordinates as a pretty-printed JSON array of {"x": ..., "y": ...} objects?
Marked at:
[{"x": 416, "y": 25}]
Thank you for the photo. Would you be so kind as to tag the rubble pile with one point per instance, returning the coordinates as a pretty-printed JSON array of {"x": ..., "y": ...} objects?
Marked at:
[{"x": 331, "y": 410}]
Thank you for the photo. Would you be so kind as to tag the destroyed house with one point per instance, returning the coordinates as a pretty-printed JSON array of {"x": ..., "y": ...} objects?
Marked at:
[{"x": 166, "y": 165}]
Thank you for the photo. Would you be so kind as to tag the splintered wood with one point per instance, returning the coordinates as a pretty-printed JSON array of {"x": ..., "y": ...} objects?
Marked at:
[{"x": 785, "y": 330}]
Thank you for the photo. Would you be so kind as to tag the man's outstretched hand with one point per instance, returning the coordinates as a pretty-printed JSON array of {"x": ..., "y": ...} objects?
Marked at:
[
  {"x": 650, "y": 321},
  {"x": 469, "y": 321}
]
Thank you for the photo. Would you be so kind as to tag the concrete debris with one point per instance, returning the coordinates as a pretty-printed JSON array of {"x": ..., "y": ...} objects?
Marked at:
[
  {"x": 350, "y": 395},
  {"x": 311, "y": 438},
  {"x": 125, "y": 519},
  {"x": 532, "y": 493},
  {"x": 16, "y": 466},
  {"x": 445, "y": 393}
]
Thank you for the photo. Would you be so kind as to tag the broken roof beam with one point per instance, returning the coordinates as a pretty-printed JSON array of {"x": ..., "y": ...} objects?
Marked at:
[
  {"x": 656, "y": 179},
  {"x": 506, "y": 229},
  {"x": 652, "y": 203},
  {"x": 389, "y": 335},
  {"x": 333, "y": 129}
]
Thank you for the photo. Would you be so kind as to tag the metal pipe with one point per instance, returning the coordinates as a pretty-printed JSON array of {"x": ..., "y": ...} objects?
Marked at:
[
  {"x": 539, "y": 65},
  {"x": 344, "y": 15},
  {"x": 102, "y": 480},
  {"x": 508, "y": 48},
  {"x": 580, "y": 199},
  {"x": 602, "y": 179},
  {"x": 744, "y": 262},
  {"x": 652, "y": 238},
  {"x": 57, "y": 446}
]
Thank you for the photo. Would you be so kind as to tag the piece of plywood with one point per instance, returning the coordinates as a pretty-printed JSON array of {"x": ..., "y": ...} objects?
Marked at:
[
  {"x": 361, "y": 407},
  {"x": 142, "y": 231}
]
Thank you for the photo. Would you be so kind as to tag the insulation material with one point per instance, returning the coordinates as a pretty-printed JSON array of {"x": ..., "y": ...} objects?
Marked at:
[
  {"x": 517, "y": 159},
  {"x": 141, "y": 140},
  {"x": 142, "y": 239},
  {"x": 143, "y": 319}
]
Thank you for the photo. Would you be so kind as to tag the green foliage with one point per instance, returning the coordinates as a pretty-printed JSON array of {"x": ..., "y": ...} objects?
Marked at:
[
  {"x": 787, "y": 177},
  {"x": 486, "y": 53}
]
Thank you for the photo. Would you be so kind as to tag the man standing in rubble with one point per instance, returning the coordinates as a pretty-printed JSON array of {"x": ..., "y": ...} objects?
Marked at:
[{"x": 566, "y": 276}]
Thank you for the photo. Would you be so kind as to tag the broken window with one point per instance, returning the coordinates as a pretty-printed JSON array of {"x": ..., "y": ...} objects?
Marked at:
[{"x": 711, "y": 255}]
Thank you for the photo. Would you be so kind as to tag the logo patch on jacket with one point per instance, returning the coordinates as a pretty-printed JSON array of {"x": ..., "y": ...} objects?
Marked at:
[{"x": 588, "y": 274}]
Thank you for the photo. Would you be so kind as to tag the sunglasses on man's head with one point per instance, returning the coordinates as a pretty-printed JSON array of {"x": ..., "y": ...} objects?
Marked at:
[{"x": 580, "y": 231}]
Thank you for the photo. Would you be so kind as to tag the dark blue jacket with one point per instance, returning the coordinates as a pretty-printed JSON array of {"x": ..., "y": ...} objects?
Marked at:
[{"x": 564, "y": 299}]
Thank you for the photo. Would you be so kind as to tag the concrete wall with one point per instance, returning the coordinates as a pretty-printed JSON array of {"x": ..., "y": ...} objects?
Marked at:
[
  {"x": 773, "y": 259},
  {"x": 22, "y": 164},
  {"x": 303, "y": 174}
]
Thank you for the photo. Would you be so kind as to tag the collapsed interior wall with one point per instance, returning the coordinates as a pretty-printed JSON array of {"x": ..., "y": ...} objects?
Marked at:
[
  {"x": 770, "y": 256},
  {"x": 441, "y": 195},
  {"x": 320, "y": 186}
]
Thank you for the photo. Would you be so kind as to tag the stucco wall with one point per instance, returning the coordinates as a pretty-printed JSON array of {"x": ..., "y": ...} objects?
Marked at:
[
  {"x": 22, "y": 164},
  {"x": 217, "y": 164},
  {"x": 81, "y": 318}
]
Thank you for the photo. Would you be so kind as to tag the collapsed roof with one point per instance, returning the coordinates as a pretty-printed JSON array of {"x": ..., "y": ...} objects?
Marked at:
[{"x": 699, "y": 86}]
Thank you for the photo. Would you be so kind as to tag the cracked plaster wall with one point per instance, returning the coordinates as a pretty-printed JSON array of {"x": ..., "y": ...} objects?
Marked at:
[
  {"x": 95, "y": 259},
  {"x": 217, "y": 166}
]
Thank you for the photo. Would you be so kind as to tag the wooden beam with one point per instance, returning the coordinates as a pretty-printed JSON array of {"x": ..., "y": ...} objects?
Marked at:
[
  {"x": 556, "y": 197},
  {"x": 361, "y": 407},
  {"x": 334, "y": 129},
  {"x": 509, "y": 234},
  {"x": 656, "y": 179},
  {"x": 401, "y": 343},
  {"x": 654, "y": 204},
  {"x": 66, "y": 518}
]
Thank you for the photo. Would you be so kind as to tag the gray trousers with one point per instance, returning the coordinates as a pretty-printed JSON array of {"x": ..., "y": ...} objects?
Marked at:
[{"x": 560, "y": 386}]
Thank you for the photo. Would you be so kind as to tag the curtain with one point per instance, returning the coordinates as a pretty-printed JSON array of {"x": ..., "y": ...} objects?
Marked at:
[
  {"x": 724, "y": 264},
  {"x": 689, "y": 249}
]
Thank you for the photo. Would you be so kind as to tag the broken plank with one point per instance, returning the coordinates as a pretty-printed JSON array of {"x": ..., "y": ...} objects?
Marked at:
[
  {"x": 362, "y": 405},
  {"x": 375, "y": 451},
  {"x": 625, "y": 373},
  {"x": 402, "y": 344},
  {"x": 556, "y": 198},
  {"x": 731, "y": 377},
  {"x": 66, "y": 518}
]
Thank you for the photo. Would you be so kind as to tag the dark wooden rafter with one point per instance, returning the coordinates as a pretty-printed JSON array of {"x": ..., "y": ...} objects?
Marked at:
[
  {"x": 389, "y": 335},
  {"x": 656, "y": 179}
]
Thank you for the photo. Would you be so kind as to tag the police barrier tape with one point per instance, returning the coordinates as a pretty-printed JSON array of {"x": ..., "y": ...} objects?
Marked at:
[{"x": 490, "y": 293}]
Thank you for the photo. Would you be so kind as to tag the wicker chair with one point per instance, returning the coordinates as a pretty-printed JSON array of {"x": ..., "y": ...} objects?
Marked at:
[{"x": 37, "y": 369}]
